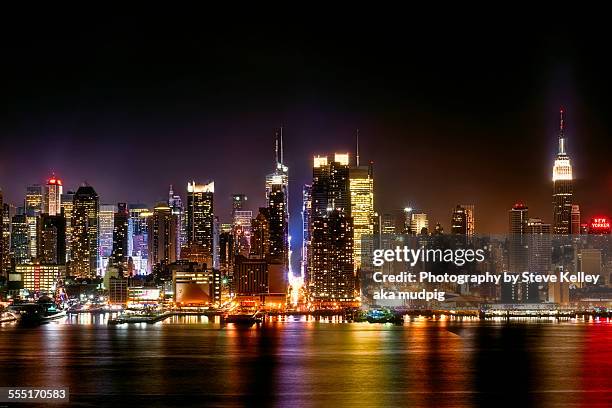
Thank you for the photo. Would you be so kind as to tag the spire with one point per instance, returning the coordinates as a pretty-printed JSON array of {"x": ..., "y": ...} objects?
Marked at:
[
  {"x": 281, "y": 145},
  {"x": 357, "y": 155},
  {"x": 561, "y": 133}
]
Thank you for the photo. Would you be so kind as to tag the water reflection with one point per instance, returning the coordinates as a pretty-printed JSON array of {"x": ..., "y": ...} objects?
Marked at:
[{"x": 303, "y": 361}]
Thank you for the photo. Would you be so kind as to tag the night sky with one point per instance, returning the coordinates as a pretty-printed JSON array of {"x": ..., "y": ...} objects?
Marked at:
[{"x": 449, "y": 111}]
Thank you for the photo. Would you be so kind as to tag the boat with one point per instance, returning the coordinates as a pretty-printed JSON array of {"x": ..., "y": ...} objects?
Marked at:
[
  {"x": 383, "y": 316},
  {"x": 37, "y": 312},
  {"x": 246, "y": 314}
]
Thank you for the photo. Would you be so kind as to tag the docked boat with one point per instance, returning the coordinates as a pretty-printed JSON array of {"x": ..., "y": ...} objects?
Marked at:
[
  {"x": 247, "y": 314},
  {"x": 383, "y": 316},
  {"x": 36, "y": 313}
]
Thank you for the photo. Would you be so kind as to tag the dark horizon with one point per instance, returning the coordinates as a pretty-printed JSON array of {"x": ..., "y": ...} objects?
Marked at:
[{"x": 447, "y": 117}]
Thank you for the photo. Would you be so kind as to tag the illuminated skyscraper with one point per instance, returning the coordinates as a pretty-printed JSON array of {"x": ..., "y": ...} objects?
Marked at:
[
  {"x": 331, "y": 275},
  {"x": 260, "y": 239},
  {"x": 20, "y": 237},
  {"x": 470, "y": 219},
  {"x": 53, "y": 196},
  {"x": 361, "y": 186},
  {"x": 562, "y": 186},
  {"x": 238, "y": 202},
  {"x": 277, "y": 196},
  {"x": 2, "y": 245},
  {"x": 459, "y": 221},
  {"x": 67, "y": 203},
  {"x": 306, "y": 228},
  {"x": 51, "y": 239},
  {"x": 5, "y": 236},
  {"x": 34, "y": 207},
  {"x": 241, "y": 227},
  {"x": 200, "y": 218},
  {"x": 517, "y": 251},
  {"x": 120, "y": 237},
  {"x": 138, "y": 243},
  {"x": 161, "y": 226},
  {"x": 85, "y": 232},
  {"x": 175, "y": 202},
  {"x": 106, "y": 227}
]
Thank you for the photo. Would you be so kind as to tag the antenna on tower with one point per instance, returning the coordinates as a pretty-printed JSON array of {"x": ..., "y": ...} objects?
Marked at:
[
  {"x": 561, "y": 132},
  {"x": 357, "y": 155},
  {"x": 281, "y": 145},
  {"x": 562, "y": 124}
]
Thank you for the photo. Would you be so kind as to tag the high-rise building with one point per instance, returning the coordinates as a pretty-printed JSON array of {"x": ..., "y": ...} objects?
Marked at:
[
  {"x": 517, "y": 251},
  {"x": 1, "y": 234},
  {"x": 85, "y": 232},
  {"x": 361, "y": 186},
  {"x": 241, "y": 227},
  {"x": 277, "y": 217},
  {"x": 120, "y": 237},
  {"x": 66, "y": 203},
  {"x": 5, "y": 236},
  {"x": 562, "y": 186},
  {"x": 470, "y": 219},
  {"x": 106, "y": 226},
  {"x": 161, "y": 226},
  {"x": 238, "y": 202},
  {"x": 331, "y": 275},
  {"x": 260, "y": 239},
  {"x": 51, "y": 239},
  {"x": 200, "y": 218},
  {"x": 539, "y": 255},
  {"x": 53, "y": 196},
  {"x": 575, "y": 225},
  {"x": 33, "y": 207},
  {"x": 20, "y": 250},
  {"x": 176, "y": 203},
  {"x": 459, "y": 221},
  {"x": 306, "y": 228},
  {"x": 138, "y": 244}
]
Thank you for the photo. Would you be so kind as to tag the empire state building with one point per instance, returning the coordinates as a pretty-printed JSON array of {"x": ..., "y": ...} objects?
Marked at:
[{"x": 562, "y": 186}]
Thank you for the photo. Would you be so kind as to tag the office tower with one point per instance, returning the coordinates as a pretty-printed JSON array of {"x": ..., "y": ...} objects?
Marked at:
[
  {"x": 277, "y": 198},
  {"x": 5, "y": 236},
  {"x": 575, "y": 225},
  {"x": 51, "y": 239},
  {"x": 85, "y": 232},
  {"x": 226, "y": 251},
  {"x": 106, "y": 225},
  {"x": 2, "y": 256},
  {"x": 459, "y": 221},
  {"x": 120, "y": 237},
  {"x": 40, "y": 278},
  {"x": 361, "y": 186},
  {"x": 161, "y": 226},
  {"x": 260, "y": 239},
  {"x": 331, "y": 276},
  {"x": 387, "y": 224},
  {"x": 590, "y": 262},
  {"x": 517, "y": 251},
  {"x": 562, "y": 186},
  {"x": 66, "y": 204},
  {"x": 33, "y": 207},
  {"x": 176, "y": 203},
  {"x": 279, "y": 238},
  {"x": 470, "y": 219},
  {"x": 20, "y": 250},
  {"x": 53, "y": 196},
  {"x": 407, "y": 220},
  {"x": 241, "y": 227},
  {"x": 539, "y": 255},
  {"x": 138, "y": 244},
  {"x": 419, "y": 223},
  {"x": 200, "y": 218},
  {"x": 306, "y": 224}
]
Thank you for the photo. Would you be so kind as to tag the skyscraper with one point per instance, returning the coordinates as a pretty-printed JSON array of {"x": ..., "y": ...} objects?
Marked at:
[
  {"x": 200, "y": 218},
  {"x": 1, "y": 234},
  {"x": 85, "y": 232},
  {"x": 277, "y": 213},
  {"x": 459, "y": 221},
  {"x": 361, "y": 186},
  {"x": 260, "y": 239},
  {"x": 306, "y": 228},
  {"x": 20, "y": 237},
  {"x": 53, "y": 196},
  {"x": 331, "y": 275},
  {"x": 51, "y": 239},
  {"x": 517, "y": 251},
  {"x": 238, "y": 202},
  {"x": 161, "y": 226},
  {"x": 562, "y": 186},
  {"x": 120, "y": 237},
  {"x": 138, "y": 244},
  {"x": 418, "y": 222},
  {"x": 67, "y": 203},
  {"x": 176, "y": 204},
  {"x": 33, "y": 208},
  {"x": 106, "y": 227},
  {"x": 5, "y": 234},
  {"x": 470, "y": 219}
]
